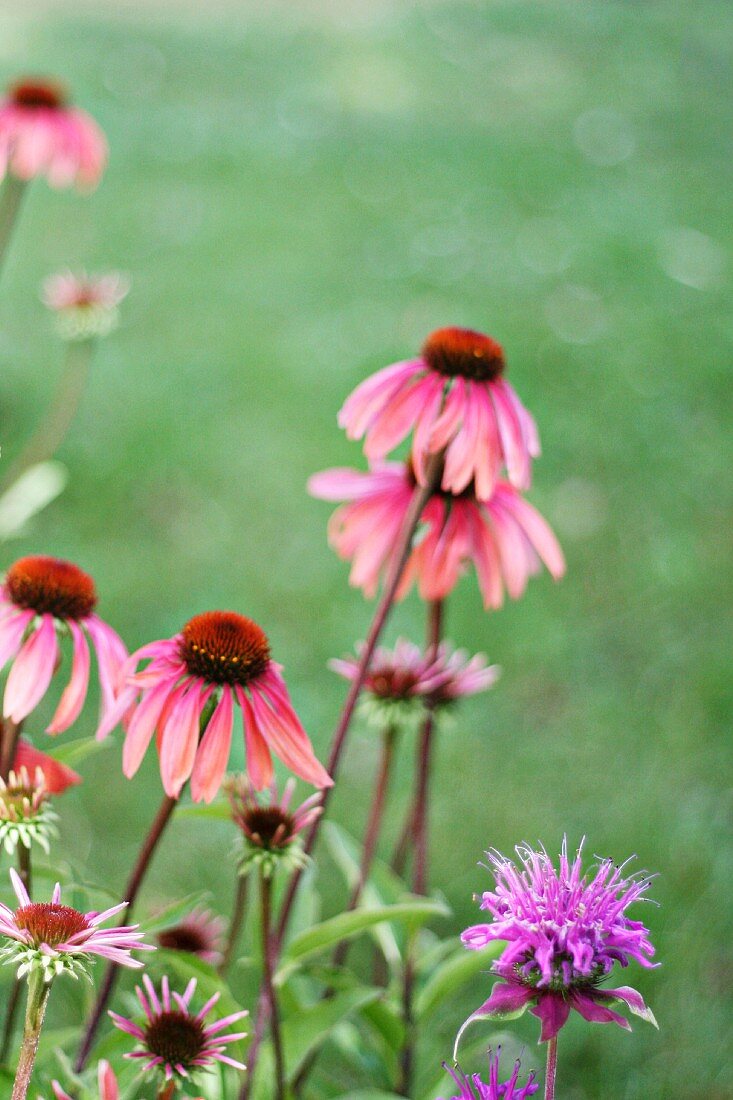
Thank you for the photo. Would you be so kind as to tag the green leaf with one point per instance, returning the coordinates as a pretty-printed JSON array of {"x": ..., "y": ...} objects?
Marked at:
[
  {"x": 308, "y": 1030},
  {"x": 172, "y": 914},
  {"x": 72, "y": 753},
  {"x": 452, "y": 974},
  {"x": 218, "y": 811},
  {"x": 345, "y": 926}
]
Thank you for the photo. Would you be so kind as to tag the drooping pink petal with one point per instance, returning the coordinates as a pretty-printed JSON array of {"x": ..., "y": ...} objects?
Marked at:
[
  {"x": 31, "y": 672},
  {"x": 142, "y": 725},
  {"x": 595, "y": 1012},
  {"x": 212, "y": 756},
  {"x": 12, "y": 629},
  {"x": 75, "y": 692},
  {"x": 179, "y": 739},
  {"x": 259, "y": 760}
]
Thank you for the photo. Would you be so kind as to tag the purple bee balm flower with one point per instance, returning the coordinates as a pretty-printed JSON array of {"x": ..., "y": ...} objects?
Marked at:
[
  {"x": 473, "y": 1088},
  {"x": 564, "y": 932}
]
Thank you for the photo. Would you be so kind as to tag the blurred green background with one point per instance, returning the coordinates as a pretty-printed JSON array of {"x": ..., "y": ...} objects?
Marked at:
[{"x": 300, "y": 193}]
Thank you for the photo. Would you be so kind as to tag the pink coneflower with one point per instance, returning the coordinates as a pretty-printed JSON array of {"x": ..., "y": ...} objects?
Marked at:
[
  {"x": 473, "y": 1088},
  {"x": 40, "y": 599},
  {"x": 174, "y": 1040},
  {"x": 106, "y": 1080},
  {"x": 219, "y": 658},
  {"x": 405, "y": 677},
  {"x": 565, "y": 931},
  {"x": 457, "y": 400},
  {"x": 86, "y": 305},
  {"x": 41, "y": 135},
  {"x": 200, "y": 933},
  {"x": 505, "y": 537},
  {"x": 57, "y": 938},
  {"x": 57, "y": 777},
  {"x": 270, "y": 824}
]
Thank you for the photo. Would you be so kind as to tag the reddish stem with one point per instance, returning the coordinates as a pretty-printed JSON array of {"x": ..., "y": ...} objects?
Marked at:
[
  {"x": 8, "y": 745},
  {"x": 235, "y": 924},
  {"x": 551, "y": 1072},
  {"x": 139, "y": 871},
  {"x": 268, "y": 964}
]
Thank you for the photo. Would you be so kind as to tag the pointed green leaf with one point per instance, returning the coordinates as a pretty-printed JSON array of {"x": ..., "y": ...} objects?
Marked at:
[{"x": 452, "y": 974}]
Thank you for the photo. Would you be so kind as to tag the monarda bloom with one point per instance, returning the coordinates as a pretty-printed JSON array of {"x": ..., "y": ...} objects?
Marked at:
[
  {"x": 473, "y": 1088},
  {"x": 565, "y": 931},
  {"x": 42, "y": 135},
  {"x": 505, "y": 538},
  {"x": 86, "y": 306},
  {"x": 456, "y": 399},
  {"x": 270, "y": 825},
  {"x": 200, "y": 933},
  {"x": 56, "y": 939},
  {"x": 41, "y": 600},
  {"x": 175, "y": 1041},
  {"x": 193, "y": 680},
  {"x": 401, "y": 680}
]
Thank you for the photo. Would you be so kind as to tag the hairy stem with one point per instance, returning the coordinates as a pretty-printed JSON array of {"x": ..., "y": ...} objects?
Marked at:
[
  {"x": 268, "y": 965},
  {"x": 38, "y": 991},
  {"x": 551, "y": 1072},
  {"x": 11, "y": 195},
  {"x": 235, "y": 924},
  {"x": 52, "y": 430},
  {"x": 139, "y": 871}
]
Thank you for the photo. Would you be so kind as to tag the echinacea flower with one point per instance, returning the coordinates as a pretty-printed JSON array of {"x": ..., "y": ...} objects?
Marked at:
[
  {"x": 270, "y": 825},
  {"x": 456, "y": 399},
  {"x": 473, "y": 1088},
  {"x": 57, "y": 777},
  {"x": 565, "y": 931},
  {"x": 86, "y": 306},
  {"x": 108, "y": 1087},
  {"x": 505, "y": 537},
  {"x": 56, "y": 938},
  {"x": 219, "y": 658},
  {"x": 26, "y": 816},
  {"x": 174, "y": 1040},
  {"x": 41, "y": 599},
  {"x": 42, "y": 135},
  {"x": 199, "y": 933},
  {"x": 401, "y": 680}
]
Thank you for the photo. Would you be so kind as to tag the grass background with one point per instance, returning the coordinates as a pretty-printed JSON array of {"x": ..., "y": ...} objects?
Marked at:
[{"x": 301, "y": 192}]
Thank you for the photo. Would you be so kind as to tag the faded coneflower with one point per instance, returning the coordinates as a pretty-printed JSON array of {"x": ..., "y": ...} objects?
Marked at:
[
  {"x": 195, "y": 678},
  {"x": 271, "y": 826},
  {"x": 106, "y": 1080},
  {"x": 26, "y": 816},
  {"x": 42, "y": 135},
  {"x": 504, "y": 537},
  {"x": 199, "y": 933},
  {"x": 52, "y": 938},
  {"x": 473, "y": 1088},
  {"x": 86, "y": 306},
  {"x": 402, "y": 679},
  {"x": 175, "y": 1041},
  {"x": 41, "y": 599},
  {"x": 565, "y": 931},
  {"x": 457, "y": 400}
]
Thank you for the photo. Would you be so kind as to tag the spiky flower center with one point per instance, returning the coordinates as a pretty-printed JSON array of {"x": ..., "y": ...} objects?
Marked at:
[
  {"x": 37, "y": 94},
  {"x": 176, "y": 1037},
  {"x": 224, "y": 648},
  {"x": 392, "y": 683},
  {"x": 49, "y": 923},
  {"x": 268, "y": 826},
  {"x": 184, "y": 937},
  {"x": 51, "y": 586},
  {"x": 465, "y": 353}
]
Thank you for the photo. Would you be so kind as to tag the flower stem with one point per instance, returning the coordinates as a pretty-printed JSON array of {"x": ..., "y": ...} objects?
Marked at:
[
  {"x": 8, "y": 745},
  {"x": 551, "y": 1072},
  {"x": 52, "y": 430},
  {"x": 420, "y": 867},
  {"x": 235, "y": 924},
  {"x": 38, "y": 991},
  {"x": 139, "y": 871},
  {"x": 24, "y": 868},
  {"x": 268, "y": 965},
  {"x": 420, "y": 497},
  {"x": 11, "y": 195}
]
